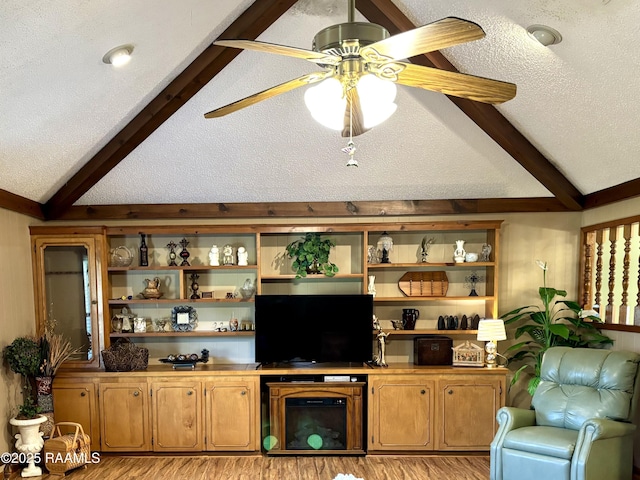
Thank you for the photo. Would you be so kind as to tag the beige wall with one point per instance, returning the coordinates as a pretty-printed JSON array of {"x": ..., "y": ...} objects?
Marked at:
[{"x": 17, "y": 317}]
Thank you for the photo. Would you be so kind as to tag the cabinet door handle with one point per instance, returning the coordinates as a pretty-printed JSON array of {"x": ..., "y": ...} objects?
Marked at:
[
  {"x": 136, "y": 393},
  {"x": 243, "y": 392},
  {"x": 83, "y": 394},
  {"x": 422, "y": 392},
  {"x": 190, "y": 392},
  {"x": 450, "y": 392}
]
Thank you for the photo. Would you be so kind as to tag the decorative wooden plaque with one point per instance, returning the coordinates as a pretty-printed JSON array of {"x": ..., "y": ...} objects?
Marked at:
[{"x": 424, "y": 284}]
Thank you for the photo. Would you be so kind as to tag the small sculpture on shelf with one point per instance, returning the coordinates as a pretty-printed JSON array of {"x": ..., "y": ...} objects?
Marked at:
[
  {"x": 485, "y": 253},
  {"x": 243, "y": 256},
  {"x": 152, "y": 289},
  {"x": 380, "y": 359},
  {"x": 172, "y": 253},
  {"x": 184, "y": 254},
  {"x": 471, "y": 281},
  {"x": 214, "y": 256},
  {"x": 372, "y": 255},
  {"x": 376, "y": 323},
  {"x": 227, "y": 255},
  {"x": 385, "y": 245},
  {"x": 194, "y": 286},
  {"x": 424, "y": 247},
  {"x": 459, "y": 252},
  {"x": 247, "y": 289},
  {"x": 371, "y": 289}
]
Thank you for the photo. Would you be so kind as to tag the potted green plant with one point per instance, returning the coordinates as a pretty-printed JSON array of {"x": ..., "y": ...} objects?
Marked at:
[
  {"x": 23, "y": 358},
  {"x": 311, "y": 255},
  {"x": 559, "y": 323}
]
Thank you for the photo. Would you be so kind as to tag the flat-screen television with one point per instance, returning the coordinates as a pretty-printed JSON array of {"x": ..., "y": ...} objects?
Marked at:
[{"x": 313, "y": 329}]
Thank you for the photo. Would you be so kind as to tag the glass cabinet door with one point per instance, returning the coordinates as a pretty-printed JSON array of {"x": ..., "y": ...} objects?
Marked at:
[{"x": 67, "y": 293}]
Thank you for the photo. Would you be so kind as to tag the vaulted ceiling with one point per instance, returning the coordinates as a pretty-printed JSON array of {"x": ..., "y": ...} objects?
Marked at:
[{"x": 80, "y": 139}]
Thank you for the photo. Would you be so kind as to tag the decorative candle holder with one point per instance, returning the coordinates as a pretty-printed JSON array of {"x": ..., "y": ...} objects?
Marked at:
[
  {"x": 184, "y": 254},
  {"x": 172, "y": 253}
]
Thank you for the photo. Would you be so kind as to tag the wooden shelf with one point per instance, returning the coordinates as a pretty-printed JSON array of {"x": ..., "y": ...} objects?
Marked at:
[
  {"x": 288, "y": 278},
  {"x": 176, "y": 301},
  {"x": 431, "y": 299},
  {"x": 429, "y": 332},
  {"x": 199, "y": 333},
  {"x": 393, "y": 266},
  {"x": 192, "y": 268}
]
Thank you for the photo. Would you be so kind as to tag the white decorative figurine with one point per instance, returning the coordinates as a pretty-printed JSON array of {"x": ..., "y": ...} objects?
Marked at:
[
  {"x": 372, "y": 286},
  {"x": 227, "y": 255},
  {"x": 214, "y": 256},
  {"x": 243, "y": 256},
  {"x": 459, "y": 253}
]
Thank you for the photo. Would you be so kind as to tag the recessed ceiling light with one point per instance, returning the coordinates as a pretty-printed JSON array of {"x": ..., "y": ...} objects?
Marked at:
[
  {"x": 545, "y": 35},
  {"x": 118, "y": 56}
]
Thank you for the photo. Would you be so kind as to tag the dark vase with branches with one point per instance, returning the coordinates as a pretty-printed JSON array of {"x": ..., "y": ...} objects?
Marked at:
[{"x": 559, "y": 323}]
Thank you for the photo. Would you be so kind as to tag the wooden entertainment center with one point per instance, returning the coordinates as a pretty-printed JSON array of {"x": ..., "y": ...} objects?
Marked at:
[{"x": 223, "y": 405}]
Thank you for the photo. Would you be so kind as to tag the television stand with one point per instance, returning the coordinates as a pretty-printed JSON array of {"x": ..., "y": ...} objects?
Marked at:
[{"x": 321, "y": 418}]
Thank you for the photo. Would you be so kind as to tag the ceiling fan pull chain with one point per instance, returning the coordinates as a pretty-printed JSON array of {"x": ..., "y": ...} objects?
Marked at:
[{"x": 350, "y": 149}]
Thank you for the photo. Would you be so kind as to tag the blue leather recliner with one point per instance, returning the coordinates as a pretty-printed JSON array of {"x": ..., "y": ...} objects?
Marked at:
[{"x": 579, "y": 426}]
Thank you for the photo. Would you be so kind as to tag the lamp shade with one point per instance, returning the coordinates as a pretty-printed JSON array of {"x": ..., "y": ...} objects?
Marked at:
[
  {"x": 489, "y": 329},
  {"x": 327, "y": 101}
]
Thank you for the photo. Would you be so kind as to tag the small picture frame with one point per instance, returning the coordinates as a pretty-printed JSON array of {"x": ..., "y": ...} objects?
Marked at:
[{"x": 207, "y": 295}]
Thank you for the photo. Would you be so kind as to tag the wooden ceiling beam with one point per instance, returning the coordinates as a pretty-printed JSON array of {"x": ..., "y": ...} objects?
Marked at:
[
  {"x": 312, "y": 209},
  {"x": 487, "y": 117},
  {"x": 16, "y": 203},
  {"x": 613, "y": 194},
  {"x": 249, "y": 25}
]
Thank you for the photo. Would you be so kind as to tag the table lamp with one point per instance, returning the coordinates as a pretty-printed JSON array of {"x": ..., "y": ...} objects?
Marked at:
[{"x": 491, "y": 331}]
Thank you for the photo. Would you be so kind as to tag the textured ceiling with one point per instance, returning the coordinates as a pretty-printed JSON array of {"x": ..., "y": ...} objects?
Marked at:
[{"x": 576, "y": 103}]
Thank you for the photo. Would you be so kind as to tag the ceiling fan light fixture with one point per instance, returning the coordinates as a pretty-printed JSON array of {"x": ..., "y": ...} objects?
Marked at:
[
  {"x": 545, "y": 35},
  {"x": 327, "y": 103},
  {"x": 118, "y": 56},
  {"x": 376, "y": 99}
]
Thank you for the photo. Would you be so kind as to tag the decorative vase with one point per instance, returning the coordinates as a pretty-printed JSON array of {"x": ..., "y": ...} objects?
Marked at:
[
  {"x": 459, "y": 253},
  {"x": 29, "y": 441},
  {"x": 372, "y": 287},
  {"x": 44, "y": 400}
]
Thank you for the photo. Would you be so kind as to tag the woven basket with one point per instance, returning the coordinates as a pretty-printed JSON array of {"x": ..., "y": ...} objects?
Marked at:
[
  {"x": 66, "y": 452},
  {"x": 124, "y": 356}
]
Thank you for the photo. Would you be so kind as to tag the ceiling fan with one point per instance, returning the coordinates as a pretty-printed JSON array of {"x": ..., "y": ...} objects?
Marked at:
[{"x": 350, "y": 52}]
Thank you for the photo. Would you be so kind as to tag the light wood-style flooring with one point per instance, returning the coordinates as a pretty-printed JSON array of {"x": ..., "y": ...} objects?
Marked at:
[{"x": 283, "y": 468}]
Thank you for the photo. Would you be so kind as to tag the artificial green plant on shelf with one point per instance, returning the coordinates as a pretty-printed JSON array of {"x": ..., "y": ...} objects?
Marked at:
[
  {"x": 559, "y": 323},
  {"x": 311, "y": 255}
]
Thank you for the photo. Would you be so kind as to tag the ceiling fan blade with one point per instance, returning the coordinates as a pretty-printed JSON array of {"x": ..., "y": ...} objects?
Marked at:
[
  {"x": 315, "y": 57},
  {"x": 266, "y": 94},
  {"x": 353, "y": 115},
  {"x": 457, "y": 84},
  {"x": 433, "y": 36}
]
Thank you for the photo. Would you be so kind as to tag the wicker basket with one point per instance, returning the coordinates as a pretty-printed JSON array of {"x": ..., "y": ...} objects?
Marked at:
[
  {"x": 124, "y": 356},
  {"x": 66, "y": 452}
]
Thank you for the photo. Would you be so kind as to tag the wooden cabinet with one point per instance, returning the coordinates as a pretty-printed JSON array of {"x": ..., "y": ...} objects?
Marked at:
[
  {"x": 232, "y": 418},
  {"x": 124, "y": 416},
  {"x": 401, "y": 412},
  {"x": 467, "y": 408},
  {"x": 68, "y": 288},
  {"x": 177, "y": 416},
  {"x": 434, "y": 411},
  {"x": 76, "y": 402}
]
